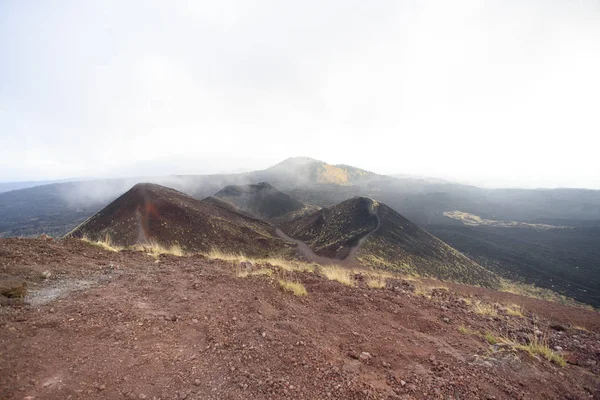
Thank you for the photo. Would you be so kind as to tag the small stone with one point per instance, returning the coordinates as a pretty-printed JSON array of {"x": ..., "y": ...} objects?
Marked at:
[
  {"x": 173, "y": 317},
  {"x": 446, "y": 320},
  {"x": 46, "y": 274},
  {"x": 102, "y": 387},
  {"x": 558, "y": 348},
  {"x": 364, "y": 356},
  {"x": 402, "y": 383},
  {"x": 197, "y": 382},
  {"x": 194, "y": 320},
  {"x": 142, "y": 396}
]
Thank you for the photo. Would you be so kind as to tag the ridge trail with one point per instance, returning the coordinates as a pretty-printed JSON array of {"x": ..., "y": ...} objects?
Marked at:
[{"x": 348, "y": 261}]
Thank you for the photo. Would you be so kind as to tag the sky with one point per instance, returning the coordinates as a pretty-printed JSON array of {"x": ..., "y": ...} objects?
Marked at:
[{"x": 492, "y": 93}]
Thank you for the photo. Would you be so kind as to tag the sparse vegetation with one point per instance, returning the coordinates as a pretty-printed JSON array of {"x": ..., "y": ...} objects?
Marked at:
[
  {"x": 156, "y": 249},
  {"x": 296, "y": 288},
  {"x": 13, "y": 290},
  {"x": 243, "y": 273},
  {"x": 466, "y": 331},
  {"x": 526, "y": 290},
  {"x": 535, "y": 347},
  {"x": 336, "y": 273},
  {"x": 514, "y": 310},
  {"x": 541, "y": 348},
  {"x": 287, "y": 265},
  {"x": 491, "y": 310},
  {"x": 216, "y": 254},
  {"x": 491, "y": 338},
  {"x": 106, "y": 243},
  {"x": 580, "y": 328},
  {"x": 376, "y": 282}
]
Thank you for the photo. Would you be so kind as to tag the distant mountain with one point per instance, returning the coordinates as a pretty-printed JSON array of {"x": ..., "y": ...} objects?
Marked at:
[
  {"x": 381, "y": 238},
  {"x": 299, "y": 171},
  {"x": 8, "y": 186},
  {"x": 262, "y": 200},
  {"x": 151, "y": 213},
  {"x": 560, "y": 259}
]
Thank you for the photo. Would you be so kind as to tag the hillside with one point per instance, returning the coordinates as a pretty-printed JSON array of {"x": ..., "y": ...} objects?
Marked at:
[
  {"x": 150, "y": 213},
  {"x": 304, "y": 171},
  {"x": 96, "y": 324},
  {"x": 387, "y": 240},
  {"x": 564, "y": 260},
  {"x": 262, "y": 200}
]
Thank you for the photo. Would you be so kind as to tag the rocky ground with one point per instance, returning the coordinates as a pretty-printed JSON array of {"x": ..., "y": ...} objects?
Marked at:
[{"x": 97, "y": 324}]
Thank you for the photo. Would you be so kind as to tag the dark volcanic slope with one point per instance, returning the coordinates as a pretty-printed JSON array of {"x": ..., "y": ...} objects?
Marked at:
[
  {"x": 335, "y": 230},
  {"x": 261, "y": 199},
  {"x": 388, "y": 241},
  {"x": 151, "y": 213}
]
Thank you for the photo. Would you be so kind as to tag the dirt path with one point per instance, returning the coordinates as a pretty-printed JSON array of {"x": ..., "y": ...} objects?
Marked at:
[{"x": 349, "y": 261}]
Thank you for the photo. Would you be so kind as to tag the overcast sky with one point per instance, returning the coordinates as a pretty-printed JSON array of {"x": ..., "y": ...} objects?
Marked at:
[{"x": 496, "y": 93}]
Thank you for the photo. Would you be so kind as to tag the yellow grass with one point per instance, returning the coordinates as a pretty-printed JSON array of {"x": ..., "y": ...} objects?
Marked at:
[
  {"x": 515, "y": 310},
  {"x": 336, "y": 273},
  {"x": 466, "y": 331},
  {"x": 535, "y": 347},
  {"x": 296, "y": 288},
  {"x": 482, "y": 308},
  {"x": 491, "y": 338},
  {"x": 377, "y": 282},
  {"x": 287, "y": 265},
  {"x": 580, "y": 328},
  {"x": 106, "y": 243},
  {"x": 155, "y": 249},
  {"x": 260, "y": 272},
  {"x": 216, "y": 254}
]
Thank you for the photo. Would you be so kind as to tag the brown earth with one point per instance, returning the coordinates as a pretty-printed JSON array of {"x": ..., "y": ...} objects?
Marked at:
[{"x": 104, "y": 325}]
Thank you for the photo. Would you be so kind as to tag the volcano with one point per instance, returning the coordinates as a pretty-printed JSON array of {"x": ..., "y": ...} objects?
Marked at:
[
  {"x": 150, "y": 213},
  {"x": 374, "y": 235},
  {"x": 263, "y": 200}
]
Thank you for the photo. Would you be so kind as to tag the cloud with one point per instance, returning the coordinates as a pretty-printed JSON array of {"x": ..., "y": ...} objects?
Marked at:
[{"x": 494, "y": 93}]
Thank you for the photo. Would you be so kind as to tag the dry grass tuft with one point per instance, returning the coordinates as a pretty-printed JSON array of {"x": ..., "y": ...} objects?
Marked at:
[
  {"x": 106, "y": 243},
  {"x": 536, "y": 347},
  {"x": 580, "y": 328},
  {"x": 482, "y": 308},
  {"x": 243, "y": 273},
  {"x": 466, "y": 331},
  {"x": 515, "y": 310},
  {"x": 376, "y": 282},
  {"x": 155, "y": 249},
  {"x": 287, "y": 265},
  {"x": 541, "y": 348},
  {"x": 216, "y": 254},
  {"x": 296, "y": 288},
  {"x": 336, "y": 273},
  {"x": 491, "y": 338}
]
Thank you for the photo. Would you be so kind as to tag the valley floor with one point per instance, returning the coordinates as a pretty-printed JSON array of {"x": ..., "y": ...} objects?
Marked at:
[{"x": 124, "y": 325}]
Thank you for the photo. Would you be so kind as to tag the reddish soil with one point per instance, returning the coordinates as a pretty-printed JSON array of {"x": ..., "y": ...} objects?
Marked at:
[
  {"x": 188, "y": 328},
  {"x": 150, "y": 213}
]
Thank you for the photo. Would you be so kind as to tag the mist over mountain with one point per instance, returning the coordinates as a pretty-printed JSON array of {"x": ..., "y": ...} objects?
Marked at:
[{"x": 564, "y": 260}]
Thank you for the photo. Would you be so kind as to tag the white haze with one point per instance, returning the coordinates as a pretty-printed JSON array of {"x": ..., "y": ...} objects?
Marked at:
[{"x": 496, "y": 93}]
